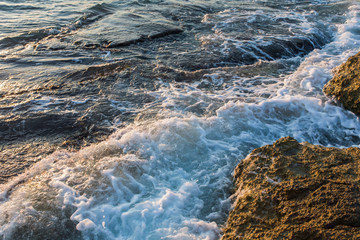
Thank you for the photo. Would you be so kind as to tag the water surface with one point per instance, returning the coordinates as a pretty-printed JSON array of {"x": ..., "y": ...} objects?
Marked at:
[{"x": 125, "y": 119}]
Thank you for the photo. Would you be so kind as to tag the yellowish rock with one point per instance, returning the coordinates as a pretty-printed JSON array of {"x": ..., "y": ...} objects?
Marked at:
[
  {"x": 344, "y": 88},
  {"x": 289, "y": 190}
]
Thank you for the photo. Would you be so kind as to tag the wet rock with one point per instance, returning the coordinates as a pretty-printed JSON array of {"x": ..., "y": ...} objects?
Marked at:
[
  {"x": 130, "y": 27},
  {"x": 69, "y": 112},
  {"x": 290, "y": 190},
  {"x": 344, "y": 88}
]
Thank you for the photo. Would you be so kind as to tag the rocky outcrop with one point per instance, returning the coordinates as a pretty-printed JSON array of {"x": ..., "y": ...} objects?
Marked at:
[
  {"x": 292, "y": 190},
  {"x": 345, "y": 85}
]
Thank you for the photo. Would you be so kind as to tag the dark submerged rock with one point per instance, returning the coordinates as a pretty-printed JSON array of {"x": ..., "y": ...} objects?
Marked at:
[
  {"x": 36, "y": 131},
  {"x": 290, "y": 190}
]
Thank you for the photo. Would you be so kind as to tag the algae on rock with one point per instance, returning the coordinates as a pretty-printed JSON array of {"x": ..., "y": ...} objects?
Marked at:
[{"x": 290, "y": 190}]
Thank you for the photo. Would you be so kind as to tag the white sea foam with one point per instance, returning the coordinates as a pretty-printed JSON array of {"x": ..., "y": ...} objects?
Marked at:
[
  {"x": 169, "y": 177},
  {"x": 316, "y": 69},
  {"x": 266, "y": 34}
]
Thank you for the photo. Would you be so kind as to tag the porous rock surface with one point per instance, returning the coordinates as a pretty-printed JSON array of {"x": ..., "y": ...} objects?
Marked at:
[
  {"x": 344, "y": 88},
  {"x": 292, "y": 190}
]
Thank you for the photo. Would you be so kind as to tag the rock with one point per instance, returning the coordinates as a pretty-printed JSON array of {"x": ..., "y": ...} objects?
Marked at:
[
  {"x": 290, "y": 190},
  {"x": 345, "y": 85}
]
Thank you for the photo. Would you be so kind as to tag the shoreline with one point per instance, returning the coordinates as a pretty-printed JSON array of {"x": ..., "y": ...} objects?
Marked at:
[{"x": 292, "y": 190}]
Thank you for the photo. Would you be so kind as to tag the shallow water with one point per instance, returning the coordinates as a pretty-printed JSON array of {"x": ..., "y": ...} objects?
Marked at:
[{"x": 130, "y": 116}]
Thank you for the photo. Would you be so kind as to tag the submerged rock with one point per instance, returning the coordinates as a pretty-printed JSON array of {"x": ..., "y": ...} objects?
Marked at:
[
  {"x": 290, "y": 190},
  {"x": 345, "y": 85}
]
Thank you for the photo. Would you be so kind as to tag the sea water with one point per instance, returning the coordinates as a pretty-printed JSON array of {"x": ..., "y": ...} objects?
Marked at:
[{"x": 169, "y": 96}]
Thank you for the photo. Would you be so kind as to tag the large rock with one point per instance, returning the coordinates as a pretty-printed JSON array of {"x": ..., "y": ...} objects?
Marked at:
[
  {"x": 345, "y": 85},
  {"x": 290, "y": 190}
]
